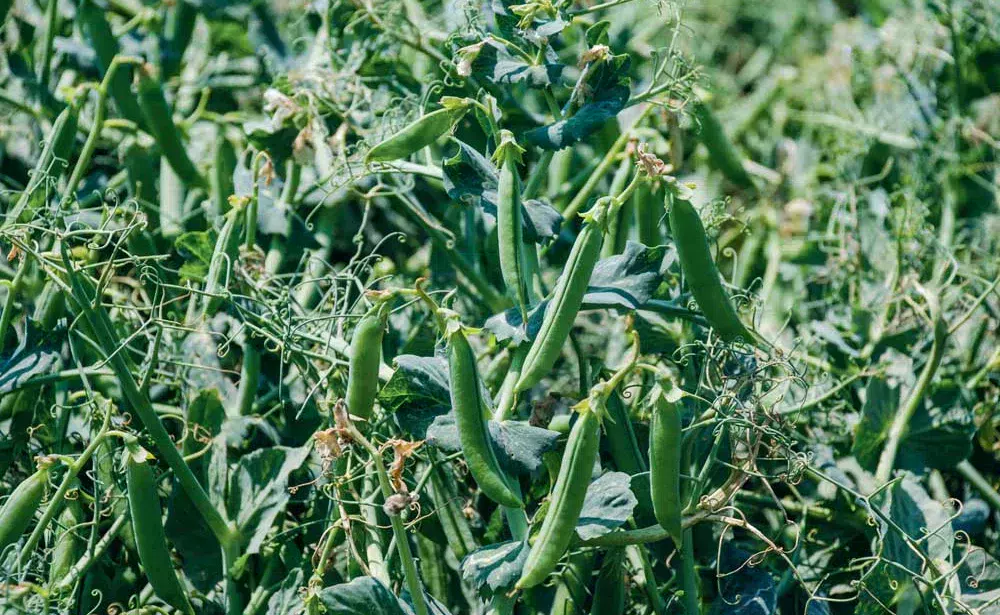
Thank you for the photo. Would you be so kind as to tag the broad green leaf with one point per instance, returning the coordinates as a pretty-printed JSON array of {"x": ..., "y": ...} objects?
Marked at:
[
  {"x": 258, "y": 490},
  {"x": 519, "y": 446},
  {"x": 362, "y": 596},
  {"x": 495, "y": 568},
  {"x": 417, "y": 392},
  {"x": 744, "y": 589},
  {"x": 607, "y": 506}
]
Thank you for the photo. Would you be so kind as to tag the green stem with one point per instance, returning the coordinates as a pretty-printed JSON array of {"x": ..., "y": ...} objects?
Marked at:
[
  {"x": 100, "y": 113},
  {"x": 45, "y": 62},
  {"x": 12, "y": 291},
  {"x": 398, "y": 529},
  {"x": 56, "y": 501},
  {"x": 689, "y": 575},
  {"x": 906, "y": 411},
  {"x": 81, "y": 567},
  {"x": 96, "y": 315},
  {"x": 979, "y": 481},
  {"x": 609, "y": 159}
]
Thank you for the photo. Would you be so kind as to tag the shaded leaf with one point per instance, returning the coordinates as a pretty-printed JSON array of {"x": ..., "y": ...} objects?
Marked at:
[
  {"x": 417, "y": 393},
  {"x": 258, "y": 490},
  {"x": 607, "y": 506},
  {"x": 495, "y": 568},
  {"x": 518, "y": 446},
  {"x": 364, "y": 595}
]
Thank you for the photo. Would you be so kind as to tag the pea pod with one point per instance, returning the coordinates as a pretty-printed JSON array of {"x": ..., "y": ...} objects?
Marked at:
[
  {"x": 105, "y": 45},
  {"x": 510, "y": 236},
  {"x": 366, "y": 355},
  {"x": 147, "y": 525},
  {"x": 160, "y": 120},
  {"x": 419, "y": 134},
  {"x": 19, "y": 510},
  {"x": 700, "y": 271},
  {"x": 566, "y": 300},
  {"x": 721, "y": 150},
  {"x": 467, "y": 403},
  {"x": 51, "y": 162},
  {"x": 567, "y": 497},
  {"x": 69, "y": 543},
  {"x": 665, "y": 464},
  {"x": 609, "y": 591}
]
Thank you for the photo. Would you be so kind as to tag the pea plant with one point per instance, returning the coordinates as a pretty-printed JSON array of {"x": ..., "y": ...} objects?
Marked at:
[{"x": 452, "y": 306}]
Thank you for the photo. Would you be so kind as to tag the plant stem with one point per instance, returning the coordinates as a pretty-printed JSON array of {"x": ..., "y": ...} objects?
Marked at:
[
  {"x": 12, "y": 291},
  {"x": 398, "y": 529},
  {"x": 979, "y": 481},
  {"x": 689, "y": 575},
  {"x": 906, "y": 410}
]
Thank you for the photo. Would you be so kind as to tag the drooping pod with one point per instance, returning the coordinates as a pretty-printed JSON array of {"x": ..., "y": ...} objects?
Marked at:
[
  {"x": 721, "y": 151},
  {"x": 510, "y": 235},
  {"x": 97, "y": 30},
  {"x": 473, "y": 432},
  {"x": 51, "y": 162},
  {"x": 69, "y": 543},
  {"x": 421, "y": 132},
  {"x": 366, "y": 356},
  {"x": 147, "y": 526},
  {"x": 609, "y": 591},
  {"x": 699, "y": 269},
  {"x": 567, "y": 496},
  {"x": 665, "y": 461},
  {"x": 160, "y": 120},
  {"x": 566, "y": 299},
  {"x": 19, "y": 509}
]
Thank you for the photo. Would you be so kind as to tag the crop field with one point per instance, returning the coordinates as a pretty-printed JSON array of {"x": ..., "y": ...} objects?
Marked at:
[{"x": 506, "y": 307}]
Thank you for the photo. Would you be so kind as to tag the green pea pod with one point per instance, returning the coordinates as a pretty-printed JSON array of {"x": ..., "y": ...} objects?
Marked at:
[
  {"x": 566, "y": 500},
  {"x": 147, "y": 525},
  {"x": 721, "y": 150},
  {"x": 19, "y": 510},
  {"x": 702, "y": 275},
  {"x": 665, "y": 465},
  {"x": 648, "y": 213},
  {"x": 366, "y": 355},
  {"x": 621, "y": 442},
  {"x": 609, "y": 591},
  {"x": 161, "y": 123},
  {"x": 69, "y": 544},
  {"x": 51, "y": 162},
  {"x": 177, "y": 31},
  {"x": 420, "y": 133},
  {"x": 102, "y": 40},
  {"x": 566, "y": 300},
  {"x": 473, "y": 432},
  {"x": 510, "y": 235}
]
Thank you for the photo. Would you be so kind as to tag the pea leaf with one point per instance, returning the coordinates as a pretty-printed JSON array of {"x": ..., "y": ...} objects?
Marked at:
[
  {"x": 608, "y": 504},
  {"x": 362, "y": 595},
  {"x": 469, "y": 177},
  {"x": 979, "y": 576},
  {"x": 417, "y": 392},
  {"x": 518, "y": 446},
  {"x": 34, "y": 356},
  {"x": 495, "y": 568},
  {"x": 258, "y": 490},
  {"x": 610, "y": 86},
  {"x": 287, "y": 600},
  {"x": 498, "y": 66},
  {"x": 197, "y": 248},
  {"x": 939, "y": 435},
  {"x": 744, "y": 590},
  {"x": 626, "y": 281}
]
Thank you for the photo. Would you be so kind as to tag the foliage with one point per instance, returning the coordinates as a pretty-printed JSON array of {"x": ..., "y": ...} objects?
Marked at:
[{"x": 324, "y": 278}]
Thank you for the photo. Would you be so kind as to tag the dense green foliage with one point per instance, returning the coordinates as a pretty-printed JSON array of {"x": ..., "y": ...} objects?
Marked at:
[{"x": 462, "y": 306}]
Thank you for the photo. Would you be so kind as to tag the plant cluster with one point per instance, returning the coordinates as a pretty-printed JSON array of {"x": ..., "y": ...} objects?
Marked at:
[{"x": 454, "y": 306}]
